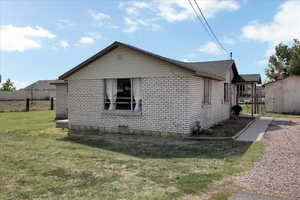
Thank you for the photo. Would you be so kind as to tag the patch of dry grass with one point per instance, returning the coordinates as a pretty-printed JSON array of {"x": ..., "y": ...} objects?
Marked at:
[{"x": 39, "y": 161}]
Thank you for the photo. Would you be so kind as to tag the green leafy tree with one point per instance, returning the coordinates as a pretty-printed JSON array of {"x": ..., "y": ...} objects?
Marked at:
[
  {"x": 8, "y": 86},
  {"x": 294, "y": 64},
  {"x": 284, "y": 62},
  {"x": 278, "y": 63}
]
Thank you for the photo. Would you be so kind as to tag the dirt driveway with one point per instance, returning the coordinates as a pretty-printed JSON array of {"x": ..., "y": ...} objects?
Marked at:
[{"x": 277, "y": 173}]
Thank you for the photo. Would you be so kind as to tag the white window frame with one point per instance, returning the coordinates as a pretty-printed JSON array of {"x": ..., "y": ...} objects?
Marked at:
[
  {"x": 132, "y": 101},
  {"x": 226, "y": 92},
  {"x": 207, "y": 90}
]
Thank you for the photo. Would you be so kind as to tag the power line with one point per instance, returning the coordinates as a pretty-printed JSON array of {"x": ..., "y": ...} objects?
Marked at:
[
  {"x": 206, "y": 25},
  {"x": 209, "y": 27},
  {"x": 199, "y": 17}
]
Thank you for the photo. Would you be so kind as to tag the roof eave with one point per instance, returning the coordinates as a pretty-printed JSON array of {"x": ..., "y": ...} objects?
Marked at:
[
  {"x": 88, "y": 61},
  {"x": 210, "y": 76}
]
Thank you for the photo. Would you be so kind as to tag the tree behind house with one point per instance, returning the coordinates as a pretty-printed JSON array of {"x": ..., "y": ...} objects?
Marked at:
[
  {"x": 285, "y": 61},
  {"x": 8, "y": 86},
  {"x": 294, "y": 65}
]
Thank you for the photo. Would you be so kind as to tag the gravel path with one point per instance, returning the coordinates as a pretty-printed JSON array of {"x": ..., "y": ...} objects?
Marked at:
[{"x": 278, "y": 171}]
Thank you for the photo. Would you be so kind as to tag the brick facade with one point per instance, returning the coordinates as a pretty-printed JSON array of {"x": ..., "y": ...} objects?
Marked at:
[{"x": 170, "y": 105}]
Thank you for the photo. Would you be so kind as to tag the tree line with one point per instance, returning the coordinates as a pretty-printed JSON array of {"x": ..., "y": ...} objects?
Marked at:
[
  {"x": 285, "y": 61},
  {"x": 8, "y": 85}
]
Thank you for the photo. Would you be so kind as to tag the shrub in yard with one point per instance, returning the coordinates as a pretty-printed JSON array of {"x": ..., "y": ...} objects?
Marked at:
[{"x": 236, "y": 109}]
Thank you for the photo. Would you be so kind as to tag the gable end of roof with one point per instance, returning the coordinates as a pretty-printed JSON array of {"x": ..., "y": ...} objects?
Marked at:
[{"x": 199, "y": 68}]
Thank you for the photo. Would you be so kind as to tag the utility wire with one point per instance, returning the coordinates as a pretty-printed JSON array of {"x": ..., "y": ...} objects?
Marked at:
[
  {"x": 200, "y": 19},
  {"x": 209, "y": 27},
  {"x": 206, "y": 25}
]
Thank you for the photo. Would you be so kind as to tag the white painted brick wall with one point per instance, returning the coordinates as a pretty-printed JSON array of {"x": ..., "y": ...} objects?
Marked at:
[
  {"x": 208, "y": 114},
  {"x": 169, "y": 105}
]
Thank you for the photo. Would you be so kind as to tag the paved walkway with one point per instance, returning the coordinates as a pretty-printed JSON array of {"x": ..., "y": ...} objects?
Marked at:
[{"x": 256, "y": 130}]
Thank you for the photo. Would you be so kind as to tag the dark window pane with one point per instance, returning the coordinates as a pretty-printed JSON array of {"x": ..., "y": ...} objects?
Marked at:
[{"x": 124, "y": 94}]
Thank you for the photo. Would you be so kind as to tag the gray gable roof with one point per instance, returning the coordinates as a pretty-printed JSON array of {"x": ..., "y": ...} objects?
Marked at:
[
  {"x": 218, "y": 68},
  {"x": 41, "y": 85},
  {"x": 251, "y": 78},
  {"x": 213, "y": 69}
]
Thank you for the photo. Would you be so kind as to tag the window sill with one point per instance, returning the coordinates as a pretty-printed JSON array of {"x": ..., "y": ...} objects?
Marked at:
[{"x": 121, "y": 113}]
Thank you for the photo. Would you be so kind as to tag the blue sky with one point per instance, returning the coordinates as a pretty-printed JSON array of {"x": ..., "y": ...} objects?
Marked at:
[{"x": 41, "y": 39}]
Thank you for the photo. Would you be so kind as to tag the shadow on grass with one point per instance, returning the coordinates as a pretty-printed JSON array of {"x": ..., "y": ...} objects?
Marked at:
[{"x": 158, "y": 147}]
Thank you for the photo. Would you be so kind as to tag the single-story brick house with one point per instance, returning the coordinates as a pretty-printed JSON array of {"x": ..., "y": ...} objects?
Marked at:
[
  {"x": 126, "y": 89},
  {"x": 283, "y": 96}
]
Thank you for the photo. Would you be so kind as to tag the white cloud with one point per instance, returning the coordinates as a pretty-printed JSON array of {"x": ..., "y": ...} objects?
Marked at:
[
  {"x": 228, "y": 40},
  {"x": 284, "y": 28},
  {"x": 210, "y": 48},
  {"x": 140, "y": 4},
  {"x": 150, "y": 12},
  {"x": 98, "y": 15},
  {"x": 64, "y": 23},
  {"x": 134, "y": 7},
  {"x": 95, "y": 35},
  {"x": 20, "y": 84},
  {"x": 134, "y": 24},
  {"x": 178, "y": 10},
  {"x": 285, "y": 25},
  {"x": 64, "y": 44},
  {"x": 102, "y": 20},
  {"x": 13, "y": 38},
  {"x": 86, "y": 40},
  {"x": 132, "y": 11}
]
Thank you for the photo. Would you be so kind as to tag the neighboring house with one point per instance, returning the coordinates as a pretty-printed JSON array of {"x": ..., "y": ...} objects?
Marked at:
[
  {"x": 39, "y": 90},
  {"x": 42, "y": 89},
  {"x": 283, "y": 96},
  {"x": 244, "y": 90},
  {"x": 126, "y": 89}
]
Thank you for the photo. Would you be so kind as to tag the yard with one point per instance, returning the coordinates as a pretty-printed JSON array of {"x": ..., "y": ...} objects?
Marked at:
[
  {"x": 247, "y": 110},
  {"x": 39, "y": 161}
]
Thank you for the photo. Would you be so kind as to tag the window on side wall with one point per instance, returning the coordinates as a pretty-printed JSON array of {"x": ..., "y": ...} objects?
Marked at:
[
  {"x": 207, "y": 91},
  {"x": 123, "y": 94},
  {"x": 226, "y": 92}
]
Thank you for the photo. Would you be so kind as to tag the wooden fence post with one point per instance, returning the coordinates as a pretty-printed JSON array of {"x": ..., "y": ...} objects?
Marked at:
[
  {"x": 52, "y": 103},
  {"x": 27, "y": 105}
]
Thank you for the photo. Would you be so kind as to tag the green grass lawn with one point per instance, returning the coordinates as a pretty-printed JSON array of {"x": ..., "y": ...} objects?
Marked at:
[
  {"x": 38, "y": 161},
  {"x": 247, "y": 110}
]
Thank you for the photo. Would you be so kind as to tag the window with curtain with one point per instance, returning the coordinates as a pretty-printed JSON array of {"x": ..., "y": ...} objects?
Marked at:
[
  {"x": 123, "y": 94},
  {"x": 226, "y": 92},
  {"x": 207, "y": 91}
]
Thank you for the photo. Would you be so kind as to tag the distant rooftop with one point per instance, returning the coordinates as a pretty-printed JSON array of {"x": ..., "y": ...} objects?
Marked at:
[{"x": 41, "y": 85}]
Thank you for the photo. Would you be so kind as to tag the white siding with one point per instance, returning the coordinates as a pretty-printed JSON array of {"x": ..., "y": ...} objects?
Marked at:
[{"x": 283, "y": 96}]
